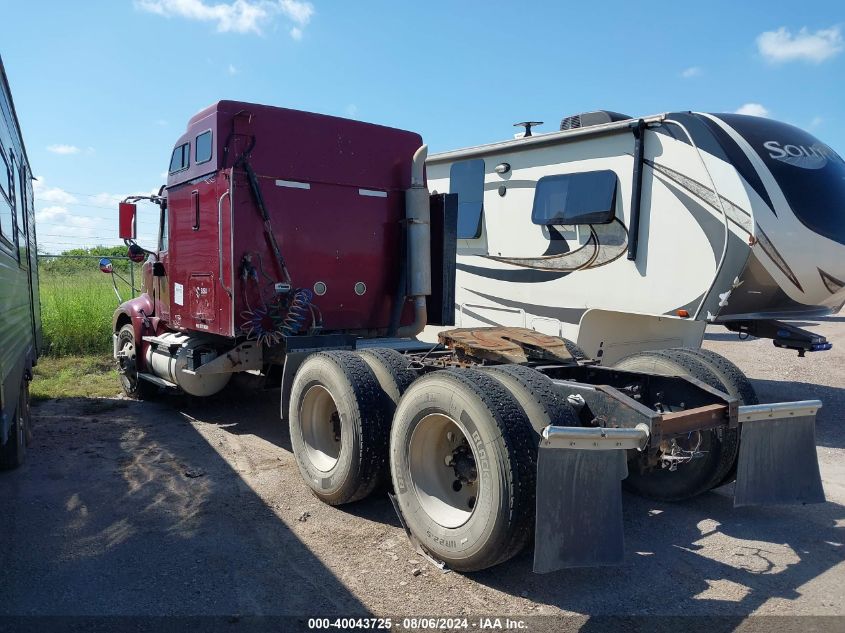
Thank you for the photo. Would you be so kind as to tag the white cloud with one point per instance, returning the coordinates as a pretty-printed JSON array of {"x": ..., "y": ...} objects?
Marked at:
[
  {"x": 297, "y": 10},
  {"x": 692, "y": 71},
  {"x": 161, "y": 122},
  {"x": 50, "y": 214},
  {"x": 43, "y": 193},
  {"x": 753, "y": 109},
  {"x": 68, "y": 220},
  {"x": 63, "y": 149},
  {"x": 237, "y": 16},
  {"x": 106, "y": 199},
  {"x": 232, "y": 69},
  {"x": 816, "y": 122},
  {"x": 782, "y": 46},
  {"x": 351, "y": 110}
]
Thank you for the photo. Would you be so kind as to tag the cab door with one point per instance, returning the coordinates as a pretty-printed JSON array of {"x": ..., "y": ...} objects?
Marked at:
[{"x": 160, "y": 277}]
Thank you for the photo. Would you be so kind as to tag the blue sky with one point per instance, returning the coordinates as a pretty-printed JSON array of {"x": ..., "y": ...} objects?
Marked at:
[{"x": 104, "y": 88}]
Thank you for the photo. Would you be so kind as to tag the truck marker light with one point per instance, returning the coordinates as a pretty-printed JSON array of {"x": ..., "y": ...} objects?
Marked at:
[
  {"x": 293, "y": 184},
  {"x": 684, "y": 314},
  {"x": 372, "y": 193}
]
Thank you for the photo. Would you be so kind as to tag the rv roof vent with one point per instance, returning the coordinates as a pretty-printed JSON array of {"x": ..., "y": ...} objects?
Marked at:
[
  {"x": 571, "y": 122},
  {"x": 586, "y": 119}
]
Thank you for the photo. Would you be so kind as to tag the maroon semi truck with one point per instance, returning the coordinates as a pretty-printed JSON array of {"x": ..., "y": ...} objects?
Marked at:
[{"x": 307, "y": 249}]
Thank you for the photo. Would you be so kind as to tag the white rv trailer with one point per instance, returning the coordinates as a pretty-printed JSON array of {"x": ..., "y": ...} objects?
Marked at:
[{"x": 632, "y": 234}]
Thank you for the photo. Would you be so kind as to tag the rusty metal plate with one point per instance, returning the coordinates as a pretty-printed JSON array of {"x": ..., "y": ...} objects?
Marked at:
[
  {"x": 506, "y": 345},
  {"x": 698, "y": 419}
]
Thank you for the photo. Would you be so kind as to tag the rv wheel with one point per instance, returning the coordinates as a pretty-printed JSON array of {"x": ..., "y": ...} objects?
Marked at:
[
  {"x": 536, "y": 394},
  {"x": 719, "y": 450},
  {"x": 127, "y": 366},
  {"x": 13, "y": 452},
  {"x": 463, "y": 460},
  {"x": 339, "y": 426}
]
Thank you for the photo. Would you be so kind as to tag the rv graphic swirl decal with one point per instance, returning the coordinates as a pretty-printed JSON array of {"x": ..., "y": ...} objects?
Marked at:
[
  {"x": 736, "y": 214},
  {"x": 815, "y": 156},
  {"x": 606, "y": 243}
]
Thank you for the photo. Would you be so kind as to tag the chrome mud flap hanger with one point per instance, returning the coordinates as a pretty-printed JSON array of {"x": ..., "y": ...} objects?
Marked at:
[{"x": 580, "y": 470}]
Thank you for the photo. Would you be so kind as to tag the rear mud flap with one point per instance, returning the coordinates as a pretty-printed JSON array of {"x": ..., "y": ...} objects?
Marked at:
[
  {"x": 579, "y": 496},
  {"x": 778, "y": 463}
]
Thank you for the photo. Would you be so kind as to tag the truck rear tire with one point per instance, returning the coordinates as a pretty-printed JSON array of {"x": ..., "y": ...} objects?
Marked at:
[
  {"x": 536, "y": 394},
  {"x": 13, "y": 452},
  {"x": 339, "y": 426},
  {"x": 463, "y": 459},
  {"x": 735, "y": 383},
  {"x": 574, "y": 350},
  {"x": 720, "y": 452},
  {"x": 127, "y": 366},
  {"x": 391, "y": 369}
]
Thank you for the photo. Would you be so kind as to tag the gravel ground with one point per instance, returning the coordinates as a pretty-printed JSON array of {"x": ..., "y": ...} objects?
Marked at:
[{"x": 186, "y": 508}]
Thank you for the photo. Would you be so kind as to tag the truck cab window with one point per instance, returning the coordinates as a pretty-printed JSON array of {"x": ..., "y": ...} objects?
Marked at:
[
  {"x": 466, "y": 178},
  {"x": 181, "y": 158},
  {"x": 202, "y": 146}
]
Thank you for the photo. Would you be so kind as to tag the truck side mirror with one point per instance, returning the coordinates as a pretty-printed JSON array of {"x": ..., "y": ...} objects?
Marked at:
[
  {"x": 126, "y": 213},
  {"x": 136, "y": 253}
]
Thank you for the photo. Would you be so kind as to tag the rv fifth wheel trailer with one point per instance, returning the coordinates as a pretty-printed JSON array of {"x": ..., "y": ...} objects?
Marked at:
[{"x": 631, "y": 234}]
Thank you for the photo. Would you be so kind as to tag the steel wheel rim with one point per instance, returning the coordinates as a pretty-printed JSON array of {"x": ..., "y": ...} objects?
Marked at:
[
  {"x": 320, "y": 428},
  {"x": 433, "y": 478},
  {"x": 127, "y": 367}
]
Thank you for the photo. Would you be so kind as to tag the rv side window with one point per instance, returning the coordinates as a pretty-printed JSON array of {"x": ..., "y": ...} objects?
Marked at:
[
  {"x": 466, "y": 179},
  {"x": 583, "y": 198},
  {"x": 181, "y": 158},
  {"x": 203, "y": 148}
]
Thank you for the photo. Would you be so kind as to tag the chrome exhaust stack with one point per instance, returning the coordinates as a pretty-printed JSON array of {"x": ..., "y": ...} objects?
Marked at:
[{"x": 418, "y": 231}]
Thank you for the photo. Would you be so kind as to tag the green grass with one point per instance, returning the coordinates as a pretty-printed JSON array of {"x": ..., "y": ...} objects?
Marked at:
[
  {"x": 76, "y": 312},
  {"x": 75, "y": 377},
  {"x": 77, "y": 304}
]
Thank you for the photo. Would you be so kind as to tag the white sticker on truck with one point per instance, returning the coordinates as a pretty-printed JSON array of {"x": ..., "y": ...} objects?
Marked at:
[{"x": 178, "y": 294}]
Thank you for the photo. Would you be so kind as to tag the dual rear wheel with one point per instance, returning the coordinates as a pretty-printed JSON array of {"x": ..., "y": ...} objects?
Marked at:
[
  {"x": 457, "y": 444},
  {"x": 460, "y": 445}
]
